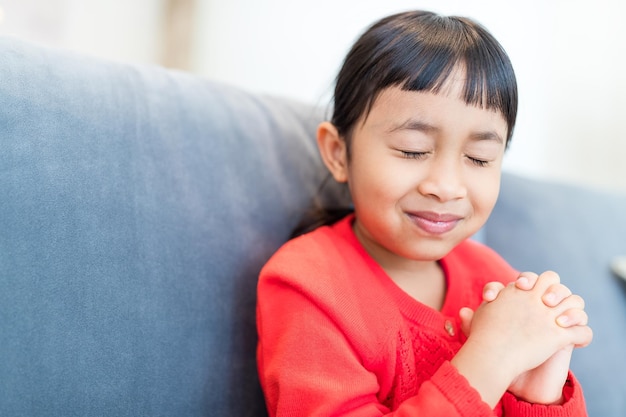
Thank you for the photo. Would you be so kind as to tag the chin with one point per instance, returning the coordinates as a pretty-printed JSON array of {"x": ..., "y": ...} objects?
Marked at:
[
  {"x": 435, "y": 249},
  {"x": 432, "y": 253}
]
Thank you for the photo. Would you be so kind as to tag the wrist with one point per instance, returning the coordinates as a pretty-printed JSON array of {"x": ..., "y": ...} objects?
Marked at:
[{"x": 485, "y": 370}]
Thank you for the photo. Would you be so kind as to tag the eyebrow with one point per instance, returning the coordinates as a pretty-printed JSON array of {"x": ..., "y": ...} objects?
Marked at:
[
  {"x": 487, "y": 135},
  {"x": 413, "y": 124}
]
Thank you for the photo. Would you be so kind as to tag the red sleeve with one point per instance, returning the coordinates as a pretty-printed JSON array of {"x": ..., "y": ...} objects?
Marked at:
[
  {"x": 574, "y": 405},
  {"x": 306, "y": 366}
]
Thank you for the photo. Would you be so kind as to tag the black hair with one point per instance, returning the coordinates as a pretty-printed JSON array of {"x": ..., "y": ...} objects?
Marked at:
[{"x": 418, "y": 50}]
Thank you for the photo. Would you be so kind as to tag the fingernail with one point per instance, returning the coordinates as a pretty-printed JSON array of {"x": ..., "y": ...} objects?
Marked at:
[
  {"x": 562, "y": 321},
  {"x": 523, "y": 280},
  {"x": 490, "y": 294},
  {"x": 550, "y": 297}
]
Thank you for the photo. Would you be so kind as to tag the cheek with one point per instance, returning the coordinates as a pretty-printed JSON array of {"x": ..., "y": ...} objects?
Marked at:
[
  {"x": 369, "y": 188},
  {"x": 374, "y": 178},
  {"x": 383, "y": 181},
  {"x": 485, "y": 193}
]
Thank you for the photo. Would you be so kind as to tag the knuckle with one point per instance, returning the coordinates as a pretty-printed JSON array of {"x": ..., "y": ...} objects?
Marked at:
[
  {"x": 562, "y": 288},
  {"x": 529, "y": 274},
  {"x": 551, "y": 276},
  {"x": 578, "y": 300}
]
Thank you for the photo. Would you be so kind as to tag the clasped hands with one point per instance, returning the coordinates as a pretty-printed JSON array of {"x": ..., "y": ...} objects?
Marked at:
[{"x": 530, "y": 327}]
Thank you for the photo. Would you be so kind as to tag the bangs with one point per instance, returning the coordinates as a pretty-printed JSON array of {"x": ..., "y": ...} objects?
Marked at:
[
  {"x": 419, "y": 51},
  {"x": 489, "y": 79}
]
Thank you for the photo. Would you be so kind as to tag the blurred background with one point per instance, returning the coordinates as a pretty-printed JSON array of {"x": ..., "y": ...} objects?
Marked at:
[{"x": 569, "y": 56}]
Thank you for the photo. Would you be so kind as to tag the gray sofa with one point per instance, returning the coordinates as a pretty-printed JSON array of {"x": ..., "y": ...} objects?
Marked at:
[{"x": 137, "y": 206}]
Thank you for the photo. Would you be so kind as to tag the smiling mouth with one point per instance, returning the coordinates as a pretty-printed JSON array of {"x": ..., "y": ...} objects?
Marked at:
[{"x": 434, "y": 223}]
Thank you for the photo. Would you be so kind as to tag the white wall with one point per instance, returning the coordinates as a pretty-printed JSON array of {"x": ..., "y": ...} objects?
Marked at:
[
  {"x": 568, "y": 56},
  {"x": 121, "y": 30}
]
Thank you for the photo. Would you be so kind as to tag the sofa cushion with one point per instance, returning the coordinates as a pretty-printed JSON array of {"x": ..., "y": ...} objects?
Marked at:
[
  {"x": 575, "y": 231},
  {"x": 137, "y": 206}
]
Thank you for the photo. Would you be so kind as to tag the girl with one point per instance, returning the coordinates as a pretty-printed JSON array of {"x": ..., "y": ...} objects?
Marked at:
[{"x": 390, "y": 310}]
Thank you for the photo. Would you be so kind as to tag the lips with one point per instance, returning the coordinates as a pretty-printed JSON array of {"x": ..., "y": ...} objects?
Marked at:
[{"x": 435, "y": 223}]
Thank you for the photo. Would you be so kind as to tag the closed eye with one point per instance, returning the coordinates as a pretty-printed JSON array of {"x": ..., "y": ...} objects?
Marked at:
[
  {"x": 478, "y": 162},
  {"x": 414, "y": 155}
]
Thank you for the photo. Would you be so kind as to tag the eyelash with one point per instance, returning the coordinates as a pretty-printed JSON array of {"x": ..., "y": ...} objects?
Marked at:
[
  {"x": 421, "y": 155},
  {"x": 478, "y": 162},
  {"x": 413, "y": 155}
]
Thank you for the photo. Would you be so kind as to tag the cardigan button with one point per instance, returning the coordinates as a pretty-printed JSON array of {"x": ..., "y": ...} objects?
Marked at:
[{"x": 449, "y": 328}]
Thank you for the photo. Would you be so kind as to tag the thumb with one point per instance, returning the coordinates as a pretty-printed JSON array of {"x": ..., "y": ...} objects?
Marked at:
[{"x": 466, "y": 315}]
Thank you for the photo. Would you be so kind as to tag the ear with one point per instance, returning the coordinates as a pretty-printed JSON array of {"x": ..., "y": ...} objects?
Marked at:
[{"x": 333, "y": 150}]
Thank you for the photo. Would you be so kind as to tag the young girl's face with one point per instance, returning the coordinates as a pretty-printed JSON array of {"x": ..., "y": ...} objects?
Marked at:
[{"x": 424, "y": 172}]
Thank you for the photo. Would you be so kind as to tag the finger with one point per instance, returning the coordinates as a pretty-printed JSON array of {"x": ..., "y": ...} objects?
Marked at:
[
  {"x": 571, "y": 312},
  {"x": 526, "y": 280},
  {"x": 466, "y": 315},
  {"x": 582, "y": 335},
  {"x": 572, "y": 317},
  {"x": 570, "y": 302},
  {"x": 555, "y": 294},
  {"x": 545, "y": 280},
  {"x": 491, "y": 290}
]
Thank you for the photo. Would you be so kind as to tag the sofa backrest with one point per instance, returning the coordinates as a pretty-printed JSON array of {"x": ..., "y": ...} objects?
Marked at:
[{"x": 137, "y": 206}]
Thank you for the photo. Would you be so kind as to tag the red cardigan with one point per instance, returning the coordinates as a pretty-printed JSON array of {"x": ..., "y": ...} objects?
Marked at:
[{"x": 337, "y": 337}]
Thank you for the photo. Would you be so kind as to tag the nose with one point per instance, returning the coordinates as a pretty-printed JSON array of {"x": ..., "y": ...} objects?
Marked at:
[{"x": 444, "y": 180}]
